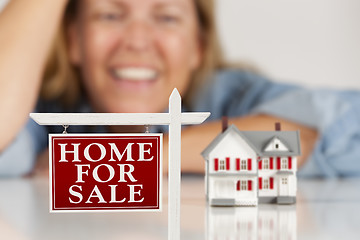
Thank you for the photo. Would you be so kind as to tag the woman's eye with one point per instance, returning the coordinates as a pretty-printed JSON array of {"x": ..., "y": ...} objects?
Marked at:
[
  {"x": 110, "y": 16},
  {"x": 168, "y": 19}
]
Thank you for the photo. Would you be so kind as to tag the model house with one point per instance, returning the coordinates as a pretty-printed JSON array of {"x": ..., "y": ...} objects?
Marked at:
[{"x": 247, "y": 167}]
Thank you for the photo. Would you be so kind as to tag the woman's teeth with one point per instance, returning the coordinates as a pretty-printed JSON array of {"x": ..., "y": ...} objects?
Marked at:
[{"x": 136, "y": 74}]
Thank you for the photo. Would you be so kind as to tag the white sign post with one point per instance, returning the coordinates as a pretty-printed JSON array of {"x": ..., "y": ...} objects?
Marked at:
[{"x": 175, "y": 118}]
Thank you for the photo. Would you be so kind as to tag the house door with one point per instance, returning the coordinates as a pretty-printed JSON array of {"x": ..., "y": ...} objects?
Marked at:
[{"x": 284, "y": 186}]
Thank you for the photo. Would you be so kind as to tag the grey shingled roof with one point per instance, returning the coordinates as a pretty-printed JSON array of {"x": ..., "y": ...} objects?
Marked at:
[{"x": 258, "y": 140}]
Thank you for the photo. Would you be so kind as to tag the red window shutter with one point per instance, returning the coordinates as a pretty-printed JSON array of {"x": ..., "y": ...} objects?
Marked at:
[
  {"x": 227, "y": 163},
  {"x": 238, "y": 185},
  {"x": 271, "y": 183},
  {"x": 289, "y": 162},
  {"x": 238, "y": 164},
  {"x": 249, "y": 164},
  {"x": 249, "y": 185},
  {"x": 216, "y": 164},
  {"x": 260, "y": 183},
  {"x": 271, "y": 163},
  {"x": 278, "y": 163},
  {"x": 260, "y": 164}
]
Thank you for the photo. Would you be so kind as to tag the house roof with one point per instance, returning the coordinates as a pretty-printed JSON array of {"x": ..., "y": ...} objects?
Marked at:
[
  {"x": 219, "y": 137},
  {"x": 258, "y": 140}
]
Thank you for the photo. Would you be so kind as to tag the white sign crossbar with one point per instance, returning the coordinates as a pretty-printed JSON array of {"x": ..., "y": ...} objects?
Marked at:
[{"x": 115, "y": 118}]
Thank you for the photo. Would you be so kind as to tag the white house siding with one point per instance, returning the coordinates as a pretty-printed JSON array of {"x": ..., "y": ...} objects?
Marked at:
[
  {"x": 268, "y": 173},
  {"x": 247, "y": 197},
  {"x": 292, "y": 179},
  {"x": 225, "y": 187},
  {"x": 292, "y": 185},
  {"x": 222, "y": 187},
  {"x": 206, "y": 179},
  {"x": 233, "y": 146}
]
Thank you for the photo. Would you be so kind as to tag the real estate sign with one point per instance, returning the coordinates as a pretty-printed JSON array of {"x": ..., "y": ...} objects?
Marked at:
[{"x": 105, "y": 172}]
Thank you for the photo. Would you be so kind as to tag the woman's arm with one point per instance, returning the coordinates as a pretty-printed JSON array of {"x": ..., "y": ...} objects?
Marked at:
[
  {"x": 196, "y": 138},
  {"x": 27, "y": 29}
]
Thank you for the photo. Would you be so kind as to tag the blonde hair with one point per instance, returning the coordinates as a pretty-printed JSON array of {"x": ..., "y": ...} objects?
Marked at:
[{"x": 62, "y": 80}]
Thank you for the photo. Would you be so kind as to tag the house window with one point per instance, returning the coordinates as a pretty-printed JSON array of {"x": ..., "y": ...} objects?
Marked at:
[
  {"x": 243, "y": 164},
  {"x": 284, "y": 163},
  {"x": 266, "y": 183},
  {"x": 266, "y": 163},
  {"x": 276, "y": 146},
  {"x": 222, "y": 165},
  {"x": 244, "y": 185},
  {"x": 284, "y": 181}
]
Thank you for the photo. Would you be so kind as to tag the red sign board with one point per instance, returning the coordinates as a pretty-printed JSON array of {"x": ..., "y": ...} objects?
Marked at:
[{"x": 107, "y": 172}]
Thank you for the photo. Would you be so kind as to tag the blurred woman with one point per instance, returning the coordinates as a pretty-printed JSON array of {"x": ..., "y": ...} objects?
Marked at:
[{"x": 127, "y": 56}]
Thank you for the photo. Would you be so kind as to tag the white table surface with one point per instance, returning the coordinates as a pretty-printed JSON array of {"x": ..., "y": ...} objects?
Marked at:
[{"x": 325, "y": 209}]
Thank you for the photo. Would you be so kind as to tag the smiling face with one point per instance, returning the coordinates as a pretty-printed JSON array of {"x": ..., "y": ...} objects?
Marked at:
[{"x": 132, "y": 53}]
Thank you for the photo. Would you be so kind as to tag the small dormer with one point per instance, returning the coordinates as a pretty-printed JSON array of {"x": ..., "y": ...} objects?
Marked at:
[{"x": 275, "y": 145}]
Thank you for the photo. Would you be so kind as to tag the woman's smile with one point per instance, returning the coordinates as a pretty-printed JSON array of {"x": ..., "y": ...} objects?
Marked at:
[{"x": 134, "y": 78}]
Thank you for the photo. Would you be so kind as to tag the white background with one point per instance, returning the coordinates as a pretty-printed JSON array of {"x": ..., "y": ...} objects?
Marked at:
[{"x": 311, "y": 42}]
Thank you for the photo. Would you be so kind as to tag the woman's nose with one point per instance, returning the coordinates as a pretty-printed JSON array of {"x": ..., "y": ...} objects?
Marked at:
[{"x": 138, "y": 36}]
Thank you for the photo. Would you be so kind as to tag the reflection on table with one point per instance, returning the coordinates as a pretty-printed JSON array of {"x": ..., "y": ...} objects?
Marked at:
[
  {"x": 325, "y": 209},
  {"x": 262, "y": 222}
]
